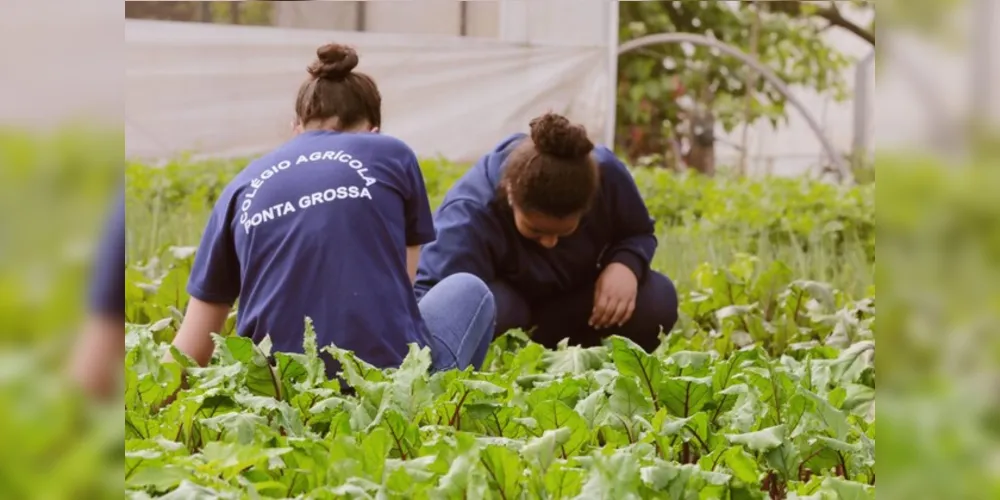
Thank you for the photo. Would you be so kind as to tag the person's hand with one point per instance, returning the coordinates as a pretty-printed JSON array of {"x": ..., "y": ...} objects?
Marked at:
[{"x": 614, "y": 296}]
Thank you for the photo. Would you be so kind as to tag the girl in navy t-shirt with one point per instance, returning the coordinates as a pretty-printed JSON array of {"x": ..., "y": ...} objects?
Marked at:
[{"x": 329, "y": 226}]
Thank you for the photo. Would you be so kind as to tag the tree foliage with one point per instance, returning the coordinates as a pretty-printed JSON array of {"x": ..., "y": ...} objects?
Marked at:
[
  {"x": 654, "y": 82},
  {"x": 246, "y": 13}
]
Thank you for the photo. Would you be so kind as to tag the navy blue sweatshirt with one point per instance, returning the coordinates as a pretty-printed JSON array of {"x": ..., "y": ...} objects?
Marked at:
[{"x": 476, "y": 233}]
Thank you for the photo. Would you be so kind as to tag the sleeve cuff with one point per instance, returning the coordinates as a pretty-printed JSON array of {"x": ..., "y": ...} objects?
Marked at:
[
  {"x": 631, "y": 261},
  {"x": 212, "y": 298},
  {"x": 420, "y": 238}
]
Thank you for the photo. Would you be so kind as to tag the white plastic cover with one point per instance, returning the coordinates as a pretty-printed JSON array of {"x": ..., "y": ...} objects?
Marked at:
[{"x": 221, "y": 90}]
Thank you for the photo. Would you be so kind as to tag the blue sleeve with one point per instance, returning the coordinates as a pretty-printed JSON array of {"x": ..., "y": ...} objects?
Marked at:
[
  {"x": 635, "y": 230},
  {"x": 419, "y": 221},
  {"x": 107, "y": 288},
  {"x": 463, "y": 245},
  {"x": 215, "y": 275}
]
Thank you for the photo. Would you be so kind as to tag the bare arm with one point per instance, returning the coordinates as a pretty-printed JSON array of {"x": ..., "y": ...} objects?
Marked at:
[
  {"x": 412, "y": 259},
  {"x": 96, "y": 360},
  {"x": 195, "y": 335}
]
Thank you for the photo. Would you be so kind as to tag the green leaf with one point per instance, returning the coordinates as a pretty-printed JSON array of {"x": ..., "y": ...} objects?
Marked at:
[
  {"x": 690, "y": 362},
  {"x": 554, "y": 414},
  {"x": 627, "y": 400},
  {"x": 685, "y": 396},
  {"x": 566, "y": 390},
  {"x": 785, "y": 460},
  {"x": 573, "y": 359},
  {"x": 762, "y": 440},
  {"x": 847, "y": 490},
  {"x": 161, "y": 478},
  {"x": 243, "y": 427},
  {"x": 744, "y": 467},
  {"x": 260, "y": 378},
  {"x": 544, "y": 449},
  {"x": 466, "y": 478},
  {"x": 504, "y": 470},
  {"x": 410, "y": 391},
  {"x": 680, "y": 481},
  {"x": 612, "y": 476},
  {"x": 593, "y": 408},
  {"x": 563, "y": 481},
  {"x": 832, "y": 418},
  {"x": 632, "y": 361},
  {"x": 858, "y": 399}
]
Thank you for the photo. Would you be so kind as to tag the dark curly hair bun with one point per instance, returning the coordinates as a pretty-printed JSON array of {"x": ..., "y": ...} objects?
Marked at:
[
  {"x": 334, "y": 62},
  {"x": 554, "y": 135}
]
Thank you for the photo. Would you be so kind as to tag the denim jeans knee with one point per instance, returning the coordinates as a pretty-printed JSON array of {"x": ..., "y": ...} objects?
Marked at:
[{"x": 460, "y": 314}]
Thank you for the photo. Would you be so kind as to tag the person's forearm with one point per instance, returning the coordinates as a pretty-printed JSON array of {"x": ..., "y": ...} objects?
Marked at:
[
  {"x": 412, "y": 260},
  {"x": 195, "y": 335},
  {"x": 96, "y": 361},
  {"x": 196, "y": 344}
]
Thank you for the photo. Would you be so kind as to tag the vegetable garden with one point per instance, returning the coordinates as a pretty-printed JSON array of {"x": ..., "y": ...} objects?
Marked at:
[{"x": 764, "y": 389}]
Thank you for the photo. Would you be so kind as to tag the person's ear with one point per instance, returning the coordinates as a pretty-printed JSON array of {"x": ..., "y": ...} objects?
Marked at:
[
  {"x": 296, "y": 126},
  {"x": 375, "y": 130}
]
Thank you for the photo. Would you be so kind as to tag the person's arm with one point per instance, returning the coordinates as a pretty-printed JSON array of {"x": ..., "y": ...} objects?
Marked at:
[
  {"x": 464, "y": 244},
  {"x": 412, "y": 259},
  {"x": 214, "y": 286},
  {"x": 95, "y": 361},
  {"x": 194, "y": 337},
  {"x": 636, "y": 243},
  {"x": 98, "y": 354},
  {"x": 419, "y": 221}
]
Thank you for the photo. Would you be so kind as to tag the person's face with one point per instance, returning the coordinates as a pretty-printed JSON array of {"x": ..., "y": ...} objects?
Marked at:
[{"x": 544, "y": 229}]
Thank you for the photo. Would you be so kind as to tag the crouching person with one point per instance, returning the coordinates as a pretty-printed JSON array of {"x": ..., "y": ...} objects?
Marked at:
[
  {"x": 329, "y": 226},
  {"x": 561, "y": 235}
]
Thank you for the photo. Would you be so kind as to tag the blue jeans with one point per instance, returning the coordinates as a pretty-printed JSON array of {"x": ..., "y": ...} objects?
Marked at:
[{"x": 460, "y": 314}]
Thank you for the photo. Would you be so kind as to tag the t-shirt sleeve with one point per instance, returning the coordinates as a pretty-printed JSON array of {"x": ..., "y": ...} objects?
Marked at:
[
  {"x": 419, "y": 221},
  {"x": 215, "y": 275},
  {"x": 107, "y": 288}
]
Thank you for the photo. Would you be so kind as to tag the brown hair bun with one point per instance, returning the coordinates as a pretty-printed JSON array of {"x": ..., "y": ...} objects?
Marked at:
[
  {"x": 334, "y": 62},
  {"x": 554, "y": 135}
]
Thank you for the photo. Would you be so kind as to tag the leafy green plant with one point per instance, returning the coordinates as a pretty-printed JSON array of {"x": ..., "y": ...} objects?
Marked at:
[
  {"x": 765, "y": 389},
  {"x": 570, "y": 423}
]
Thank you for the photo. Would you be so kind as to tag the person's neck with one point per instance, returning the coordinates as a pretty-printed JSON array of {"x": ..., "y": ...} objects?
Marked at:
[{"x": 333, "y": 125}]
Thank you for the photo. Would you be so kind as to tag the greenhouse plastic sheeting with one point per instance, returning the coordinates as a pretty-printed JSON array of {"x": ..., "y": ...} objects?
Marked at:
[{"x": 220, "y": 90}]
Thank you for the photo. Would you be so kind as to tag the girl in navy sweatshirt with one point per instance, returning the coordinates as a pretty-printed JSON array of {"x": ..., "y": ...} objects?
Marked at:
[{"x": 559, "y": 232}]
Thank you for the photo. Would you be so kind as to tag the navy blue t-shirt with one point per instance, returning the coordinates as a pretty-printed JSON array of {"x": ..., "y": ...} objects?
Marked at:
[
  {"x": 319, "y": 228},
  {"x": 107, "y": 285}
]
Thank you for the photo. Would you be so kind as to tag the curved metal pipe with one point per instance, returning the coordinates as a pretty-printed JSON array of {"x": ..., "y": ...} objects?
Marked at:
[{"x": 658, "y": 38}]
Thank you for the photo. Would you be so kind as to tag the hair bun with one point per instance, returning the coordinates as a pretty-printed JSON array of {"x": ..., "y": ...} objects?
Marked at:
[
  {"x": 554, "y": 135},
  {"x": 334, "y": 61}
]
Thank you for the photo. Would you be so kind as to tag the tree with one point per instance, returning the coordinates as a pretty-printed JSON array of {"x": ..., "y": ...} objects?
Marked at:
[
  {"x": 661, "y": 86},
  {"x": 250, "y": 12}
]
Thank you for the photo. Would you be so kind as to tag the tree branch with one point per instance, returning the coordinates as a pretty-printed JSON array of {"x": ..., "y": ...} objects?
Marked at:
[
  {"x": 835, "y": 18},
  {"x": 831, "y": 13}
]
